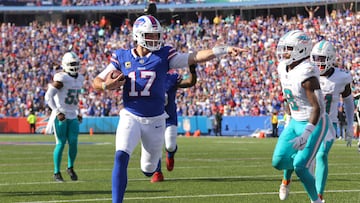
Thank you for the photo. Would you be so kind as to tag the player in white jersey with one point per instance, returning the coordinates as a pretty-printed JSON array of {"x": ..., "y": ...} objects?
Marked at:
[
  {"x": 143, "y": 116},
  {"x": 300, "y": 140},
  {"x": 62, "y": 97},
  {"x": 334, "y": 82}
]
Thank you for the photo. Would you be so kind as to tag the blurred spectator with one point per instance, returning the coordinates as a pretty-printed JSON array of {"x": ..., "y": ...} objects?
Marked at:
[
  {"x": 218, "y": 123},
  {"x": 311, "y": 11},
  {"x": 31, "y": 119},
  {"x": 274, "y": 123}
]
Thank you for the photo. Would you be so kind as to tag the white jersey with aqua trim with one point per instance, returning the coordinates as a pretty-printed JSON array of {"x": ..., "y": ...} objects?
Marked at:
[
  {"x": 291, "y": 82},
  {"x": 331, "y": 88},
  {"x": 67, "y": 98}
]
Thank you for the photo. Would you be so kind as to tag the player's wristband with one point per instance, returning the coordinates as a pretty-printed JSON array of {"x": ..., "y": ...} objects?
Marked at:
[
  {"x": 220, "y": 50},
  {"x": 103, "y": 85}
]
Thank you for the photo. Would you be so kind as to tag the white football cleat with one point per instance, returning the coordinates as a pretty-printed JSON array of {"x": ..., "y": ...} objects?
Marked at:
[
  {"x": 284, "y": 191},
  {"x": 317, "y": 201}
]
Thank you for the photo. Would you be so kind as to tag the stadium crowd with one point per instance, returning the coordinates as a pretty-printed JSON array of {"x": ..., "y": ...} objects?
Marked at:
[
  {"x": 86, "y": 2},
  {"x": 248, "y": 85}
]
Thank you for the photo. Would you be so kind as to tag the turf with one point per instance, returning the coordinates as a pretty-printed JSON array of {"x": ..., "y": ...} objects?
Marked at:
[{"x": 207, "y": 169}]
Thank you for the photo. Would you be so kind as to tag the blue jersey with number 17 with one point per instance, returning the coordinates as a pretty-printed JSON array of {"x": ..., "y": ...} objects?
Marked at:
[{"x": 144, "y": 89}]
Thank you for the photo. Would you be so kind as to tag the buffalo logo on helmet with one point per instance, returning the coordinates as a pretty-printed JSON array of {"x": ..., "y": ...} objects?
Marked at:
[{"x": 139, "y": 22}]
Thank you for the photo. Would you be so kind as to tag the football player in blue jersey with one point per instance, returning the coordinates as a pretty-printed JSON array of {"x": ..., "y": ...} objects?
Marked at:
[
  {"x": 62, "y": 97},
  {"x": 173, "y": 82},
  {"x": 143, "y": 116}
]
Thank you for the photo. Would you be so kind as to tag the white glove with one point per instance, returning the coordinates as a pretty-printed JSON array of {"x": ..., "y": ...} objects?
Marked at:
[
  {"x": 299, "y": 143},
  {"x": 349, "y": 134}
]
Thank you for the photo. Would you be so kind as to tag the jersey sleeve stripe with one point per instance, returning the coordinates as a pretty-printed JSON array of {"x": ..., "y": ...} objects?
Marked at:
[
  {"x": 171, "y": 55},
  {"x": 114, "y": 60}
]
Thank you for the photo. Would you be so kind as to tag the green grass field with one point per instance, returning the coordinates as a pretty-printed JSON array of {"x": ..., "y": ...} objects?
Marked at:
[{"x": 207, "y": 169}]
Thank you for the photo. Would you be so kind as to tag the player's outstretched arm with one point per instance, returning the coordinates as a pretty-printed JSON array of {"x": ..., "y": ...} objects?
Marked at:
[{"x": 217, "y": 51}]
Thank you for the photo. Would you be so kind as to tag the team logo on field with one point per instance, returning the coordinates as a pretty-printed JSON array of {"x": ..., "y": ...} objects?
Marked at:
[{"x": 128, "y": 64}]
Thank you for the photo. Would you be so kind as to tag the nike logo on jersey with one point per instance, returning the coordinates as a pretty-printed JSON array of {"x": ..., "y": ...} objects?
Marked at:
[{"x": 157, "y": 126}]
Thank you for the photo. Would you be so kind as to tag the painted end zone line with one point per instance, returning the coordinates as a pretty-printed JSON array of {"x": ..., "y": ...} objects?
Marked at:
[{"x": 189, "y": 196}]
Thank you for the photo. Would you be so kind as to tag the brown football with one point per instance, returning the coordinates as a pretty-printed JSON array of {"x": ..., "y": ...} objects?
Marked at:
[{"x": 115, "y": 73}]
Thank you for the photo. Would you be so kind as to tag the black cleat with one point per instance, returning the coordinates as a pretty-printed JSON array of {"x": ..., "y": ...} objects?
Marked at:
[
  {"x": 72, "y": 174},
  {"x": 58, "y": 177}
]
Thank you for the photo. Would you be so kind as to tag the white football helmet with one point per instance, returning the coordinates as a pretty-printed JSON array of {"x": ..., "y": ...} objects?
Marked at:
[
  {"x": 70, "y": 63},
  {"x": 293, "y": 46},
  {"x": 148, "y": 24},
  {"x": 323, "y": 55}
]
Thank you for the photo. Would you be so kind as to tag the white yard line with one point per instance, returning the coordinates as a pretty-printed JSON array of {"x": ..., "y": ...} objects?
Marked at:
[
  {"x": 188, "y": 196},
  {"x": 170, "y": 179}
]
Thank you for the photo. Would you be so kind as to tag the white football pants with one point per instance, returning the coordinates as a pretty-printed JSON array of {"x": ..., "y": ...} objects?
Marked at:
[{"x": 150, "y": 130}]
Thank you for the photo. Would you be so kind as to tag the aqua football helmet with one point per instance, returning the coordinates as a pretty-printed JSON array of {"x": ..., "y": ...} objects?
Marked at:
[
  {"x": 323, "y": 55},
  {"x": 70, "y": 63},
  {"x": 293, "y": 46}
]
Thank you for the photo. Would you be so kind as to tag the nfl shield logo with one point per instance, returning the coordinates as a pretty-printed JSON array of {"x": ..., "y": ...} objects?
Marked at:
[{"x": 128, "y": 64}]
